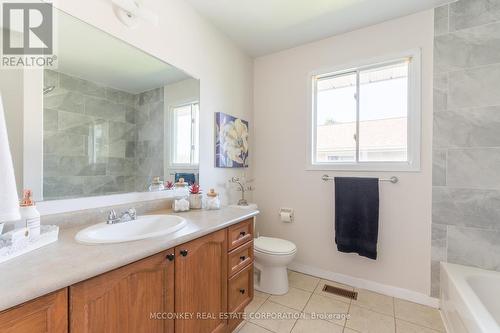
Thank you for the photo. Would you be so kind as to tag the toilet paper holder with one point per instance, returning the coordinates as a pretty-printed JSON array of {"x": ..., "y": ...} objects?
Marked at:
[{"x": 286, "y": 215}]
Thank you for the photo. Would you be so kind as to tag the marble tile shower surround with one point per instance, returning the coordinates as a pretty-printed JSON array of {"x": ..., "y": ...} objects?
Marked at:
[
  {"x": 466, "y": 148},
  {"x": 99, "y": 140}
]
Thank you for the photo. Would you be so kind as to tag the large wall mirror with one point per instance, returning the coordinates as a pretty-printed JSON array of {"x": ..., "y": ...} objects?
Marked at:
[{"x": 109, "y": 119}]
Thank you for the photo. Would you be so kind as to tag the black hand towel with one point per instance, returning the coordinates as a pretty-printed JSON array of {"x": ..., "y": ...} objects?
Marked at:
[{"x": 356, "y": 215}]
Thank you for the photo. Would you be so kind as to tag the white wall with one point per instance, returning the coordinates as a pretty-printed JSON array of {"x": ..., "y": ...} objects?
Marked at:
[
  {"x": 183, "y": 92},
  {"x": 11, "y": 90},
  {"x": 187, "y": 41},
  {"x": 281, "y": 114},
  {"x": 33, "y": 132},
  {"x": 21, "y": 92}
]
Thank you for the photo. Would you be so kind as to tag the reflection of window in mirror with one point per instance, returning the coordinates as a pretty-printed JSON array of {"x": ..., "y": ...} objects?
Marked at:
[
  {"x": 184, "y": 141},
  {"x": 182, "y": 108}
]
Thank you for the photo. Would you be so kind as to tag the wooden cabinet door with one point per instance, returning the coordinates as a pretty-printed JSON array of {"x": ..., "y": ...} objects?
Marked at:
[
  {"x": 47, "y": 314},
  {"x": 134, "y": 298},
  {"x": 201, "y": 284}
]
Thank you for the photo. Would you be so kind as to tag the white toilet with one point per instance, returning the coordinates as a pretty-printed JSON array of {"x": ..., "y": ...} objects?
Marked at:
[{"x": 272, "y": 255}]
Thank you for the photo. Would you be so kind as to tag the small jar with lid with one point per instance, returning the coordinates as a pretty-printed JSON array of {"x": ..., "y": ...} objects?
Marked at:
[
  {"x": 181, "y": 189},
  {"x": 212, "y": 201},
  {"x": 156, "y": 185}
]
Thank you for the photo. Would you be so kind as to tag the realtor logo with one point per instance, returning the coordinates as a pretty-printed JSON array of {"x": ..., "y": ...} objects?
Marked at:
[
  {"x": 28, "y": 32},
  {"x": 34, "y": 20}
]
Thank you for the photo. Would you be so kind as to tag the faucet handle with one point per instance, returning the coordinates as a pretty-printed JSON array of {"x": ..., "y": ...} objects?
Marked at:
[
  {"x": 112, "y": 214},
  {"x": 132, "y": 213},
  {"x": 112, "y": 217}
]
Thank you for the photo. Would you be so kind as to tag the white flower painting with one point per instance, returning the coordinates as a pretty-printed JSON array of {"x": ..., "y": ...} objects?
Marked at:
[{"x": 231, "y": 141}]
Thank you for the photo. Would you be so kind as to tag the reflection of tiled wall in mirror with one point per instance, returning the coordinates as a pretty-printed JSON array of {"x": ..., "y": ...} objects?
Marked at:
[
  {"x": 150, "y": 137},
  {"x": 99, "y": 140}
]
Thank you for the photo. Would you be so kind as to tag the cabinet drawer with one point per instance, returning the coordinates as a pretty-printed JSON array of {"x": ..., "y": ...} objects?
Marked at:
[
  {"x": 240, "y": 290},
  {"x": 240, "y": 233},
  {"x": 240, "y": 257}
]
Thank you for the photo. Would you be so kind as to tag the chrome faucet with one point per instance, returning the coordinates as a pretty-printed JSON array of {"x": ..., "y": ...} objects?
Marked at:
[{"x": 129, "y": 215}]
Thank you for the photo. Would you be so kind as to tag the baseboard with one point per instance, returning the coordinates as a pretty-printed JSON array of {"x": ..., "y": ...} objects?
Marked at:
[{"x": 384, "y": 289}]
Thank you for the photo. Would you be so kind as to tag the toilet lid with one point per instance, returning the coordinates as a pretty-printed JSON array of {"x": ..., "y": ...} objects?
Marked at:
[{"x": 274, "y": 245}]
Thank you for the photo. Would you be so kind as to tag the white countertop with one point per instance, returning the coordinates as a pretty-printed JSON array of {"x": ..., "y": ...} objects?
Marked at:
[{"x": 67, "y": 262}]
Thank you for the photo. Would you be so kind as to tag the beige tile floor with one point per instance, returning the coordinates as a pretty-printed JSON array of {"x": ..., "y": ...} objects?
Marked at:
[{"x": 370, "y": 313}]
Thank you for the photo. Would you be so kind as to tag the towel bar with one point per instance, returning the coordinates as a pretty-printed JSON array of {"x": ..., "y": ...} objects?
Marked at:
[{"x": 393, "y": 179}]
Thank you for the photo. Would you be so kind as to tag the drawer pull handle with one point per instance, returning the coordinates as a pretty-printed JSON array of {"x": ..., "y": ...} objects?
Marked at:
[
  {"x": 170, "y": 256},
  {"x": 242, "y": 234},
  {"x": 242, "y": 258},
  {"x": 184, "y": 253},
  {"x": 242, "y": 291}
]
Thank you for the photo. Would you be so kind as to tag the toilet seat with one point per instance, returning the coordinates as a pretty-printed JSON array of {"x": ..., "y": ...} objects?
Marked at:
[{"x": 274, "y": 246}]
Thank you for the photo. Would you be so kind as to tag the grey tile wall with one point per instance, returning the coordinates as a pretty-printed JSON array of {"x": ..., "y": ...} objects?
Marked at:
[
  {"x": 99, "y": 140},
  {"x": 149, "y": 147},
  {"x": 470, "y": 13},
  {"x": 466, "y": 152},
  {"x": 480, "y": 247},
  {"x": 441, "y": 20},
  {"x": 467, "y": 128}
]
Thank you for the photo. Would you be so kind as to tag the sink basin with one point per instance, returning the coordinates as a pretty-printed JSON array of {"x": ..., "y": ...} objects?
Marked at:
[{"x": 147, "y": 226}]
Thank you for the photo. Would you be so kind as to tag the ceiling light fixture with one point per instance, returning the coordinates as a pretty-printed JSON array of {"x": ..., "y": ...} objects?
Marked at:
[{"x": 129, "y": 12}]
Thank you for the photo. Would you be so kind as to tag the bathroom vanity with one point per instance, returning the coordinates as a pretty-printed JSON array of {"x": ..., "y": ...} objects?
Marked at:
[{"x": 200, "y": 285}]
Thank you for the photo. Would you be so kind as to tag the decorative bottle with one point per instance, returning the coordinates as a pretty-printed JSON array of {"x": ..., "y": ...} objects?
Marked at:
[{"x": 30, "y": 217}]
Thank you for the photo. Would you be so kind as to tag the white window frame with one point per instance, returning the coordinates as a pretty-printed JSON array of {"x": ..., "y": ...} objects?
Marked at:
[
  {"x": 414, "y": 116},
  {"x": 182, "y": 166}
]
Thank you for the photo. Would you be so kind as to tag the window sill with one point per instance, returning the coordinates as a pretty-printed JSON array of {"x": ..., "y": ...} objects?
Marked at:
[
  {"x": 382, "y": 166},
  {"x": 183, "y": 167}
]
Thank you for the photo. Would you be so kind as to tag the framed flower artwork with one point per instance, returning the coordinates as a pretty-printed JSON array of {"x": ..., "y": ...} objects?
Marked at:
[{"x": 231, "y": 141}]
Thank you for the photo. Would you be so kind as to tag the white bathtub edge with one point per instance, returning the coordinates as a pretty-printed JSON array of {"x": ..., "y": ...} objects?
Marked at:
[{"x": 462, "y": 309}]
